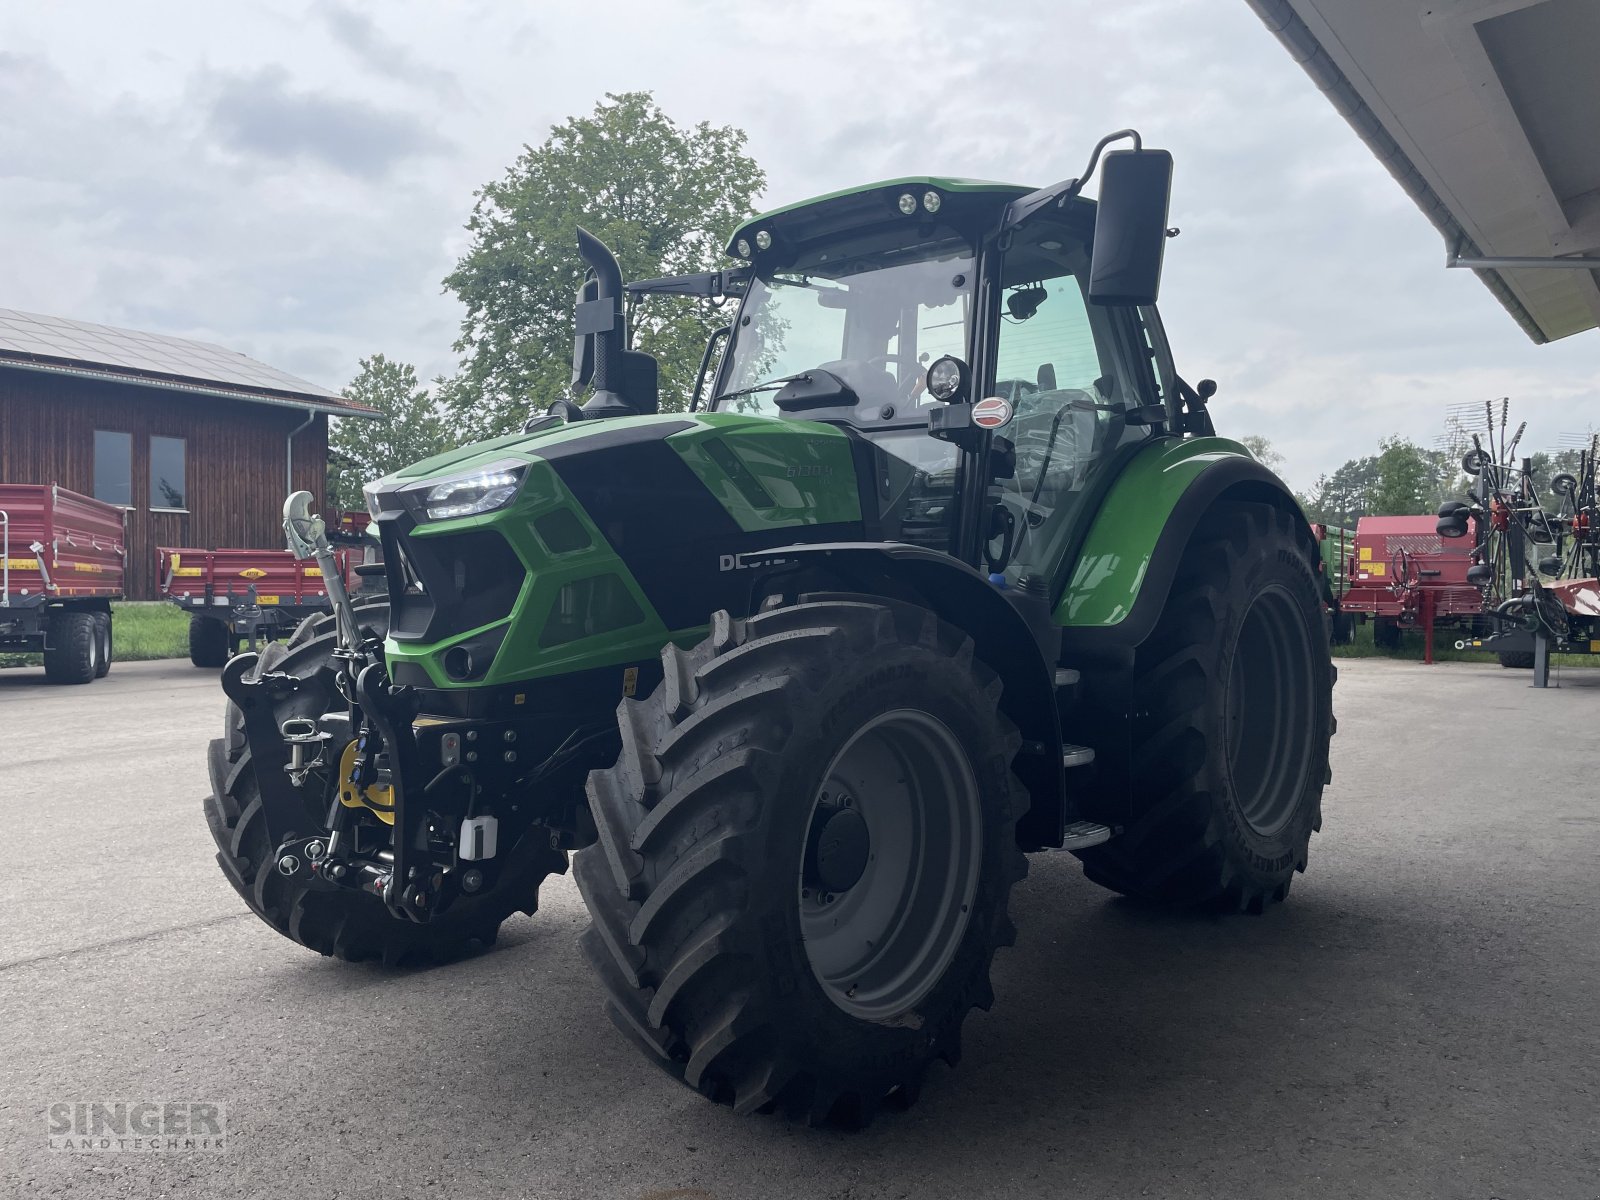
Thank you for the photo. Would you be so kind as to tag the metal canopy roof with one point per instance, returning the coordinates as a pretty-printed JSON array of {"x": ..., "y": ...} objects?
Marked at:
[
  {"x": 59, "y": 346},
  {"x": 1488, "y": 114}
]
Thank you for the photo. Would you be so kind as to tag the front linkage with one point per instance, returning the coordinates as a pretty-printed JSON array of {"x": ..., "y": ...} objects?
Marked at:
[{"x": 326, "y": 772}]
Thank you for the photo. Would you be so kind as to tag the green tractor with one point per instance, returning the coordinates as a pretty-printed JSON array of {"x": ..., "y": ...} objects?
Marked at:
[{"x": 945, "y": 567}]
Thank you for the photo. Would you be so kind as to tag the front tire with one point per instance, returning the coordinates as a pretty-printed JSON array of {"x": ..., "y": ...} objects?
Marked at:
[
  {"x": 804, "y": 859},
  {"x": 346, "y": 924},
  {"x": 1235, "y": 688}
]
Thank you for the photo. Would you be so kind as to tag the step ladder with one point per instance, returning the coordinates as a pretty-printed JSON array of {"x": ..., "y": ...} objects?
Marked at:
[{"x": 1079, "y": 835}]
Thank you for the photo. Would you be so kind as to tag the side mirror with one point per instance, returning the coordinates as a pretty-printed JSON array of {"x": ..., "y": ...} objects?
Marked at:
[{"x": 1130, "y": 229}]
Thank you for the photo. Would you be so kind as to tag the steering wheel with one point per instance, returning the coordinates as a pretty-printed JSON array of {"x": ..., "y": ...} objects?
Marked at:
[{"x": 905, "y": 390}]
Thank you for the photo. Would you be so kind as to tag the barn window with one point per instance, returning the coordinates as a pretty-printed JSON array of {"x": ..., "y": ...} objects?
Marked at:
[
  {"x": 166, "y": 473},
  {"x": 113, "y": 467}
]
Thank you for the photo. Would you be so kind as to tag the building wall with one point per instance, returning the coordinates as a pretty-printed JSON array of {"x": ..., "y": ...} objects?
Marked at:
[{"x": 234, "y": 459}]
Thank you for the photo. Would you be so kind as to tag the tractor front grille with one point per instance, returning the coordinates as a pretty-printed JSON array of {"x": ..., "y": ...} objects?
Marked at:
[{"x": 449, "y": 584}]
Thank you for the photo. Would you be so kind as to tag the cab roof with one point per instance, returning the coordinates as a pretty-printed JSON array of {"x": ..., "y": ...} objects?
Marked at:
[{"x": 873, "y": 203}]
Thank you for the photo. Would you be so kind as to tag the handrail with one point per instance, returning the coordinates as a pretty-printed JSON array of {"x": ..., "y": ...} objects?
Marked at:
[{"x": 5, "y": 557}]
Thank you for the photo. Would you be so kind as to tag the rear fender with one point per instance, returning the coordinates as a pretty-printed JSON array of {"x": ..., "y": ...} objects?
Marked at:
[
  {"x": 965, "y": 599},
  {"x": 1122, "y": 576}
]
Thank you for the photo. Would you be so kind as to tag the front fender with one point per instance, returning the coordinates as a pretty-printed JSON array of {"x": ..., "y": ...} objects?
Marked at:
[{"x": 1123, "y": 573}]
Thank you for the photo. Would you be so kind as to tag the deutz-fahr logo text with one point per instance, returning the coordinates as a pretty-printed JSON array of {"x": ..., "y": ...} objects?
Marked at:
[{"x": 735, "y": 562}]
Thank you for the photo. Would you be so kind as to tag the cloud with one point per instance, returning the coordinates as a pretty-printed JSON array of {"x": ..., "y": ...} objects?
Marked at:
[
  {"x": 259, "y": 113},
  {"x": 383, "y": 55}
]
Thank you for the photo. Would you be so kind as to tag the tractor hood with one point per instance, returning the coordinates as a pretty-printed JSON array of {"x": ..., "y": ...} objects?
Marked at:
[
  {"x": 585, "y": 545},
  {"x": 516, "y": 446}
]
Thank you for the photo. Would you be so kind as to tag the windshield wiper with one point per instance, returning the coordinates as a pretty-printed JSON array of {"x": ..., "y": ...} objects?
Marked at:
[{"x": 768, "y": 386}]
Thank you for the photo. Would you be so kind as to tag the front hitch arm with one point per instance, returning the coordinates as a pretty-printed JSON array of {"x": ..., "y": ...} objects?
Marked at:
[{"x": 389, "y": 710}]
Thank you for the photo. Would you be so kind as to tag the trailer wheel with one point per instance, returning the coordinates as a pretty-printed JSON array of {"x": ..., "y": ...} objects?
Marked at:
[
  {"x": 805, "y": 852},
  {"x": 1342, "y": 629},
  {"x": 72, "y": 652},
  {"x": 1386, "y": 633},
  {"x": 210, "y": 641},
  {"x": 349, "y": 925},
  {"x": 102, "y": 623},
  {"x": 1234, "y": 689},
  {"x": 1516, "y": 660}
]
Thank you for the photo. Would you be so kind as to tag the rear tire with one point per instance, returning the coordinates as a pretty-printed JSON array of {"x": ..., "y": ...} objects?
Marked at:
[
  {"x": 350, "y": 925},
  {"x": 210, "y": 641},
  {"x": 722, "y": 833},
  {"x": 1235, "y": 689},
  {"x": 102, "y": 623},
  {"x": 1516, "y": 660},
  {"x": 72, "y": 652}
]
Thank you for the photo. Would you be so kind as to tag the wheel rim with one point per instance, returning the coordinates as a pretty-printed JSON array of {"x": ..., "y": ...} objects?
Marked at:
[
  {"x": 1270, "y": 711},
  {"x": 892, "y": 856}
]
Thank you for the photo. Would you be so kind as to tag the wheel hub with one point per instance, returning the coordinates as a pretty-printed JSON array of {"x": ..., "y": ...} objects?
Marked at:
[
  {"x": 891, "y": 864},
  {"x": 841, "y": 846}
]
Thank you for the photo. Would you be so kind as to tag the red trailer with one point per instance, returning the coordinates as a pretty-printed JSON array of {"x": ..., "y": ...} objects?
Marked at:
[
  {"x": 238, "y": 596},
  {"x": 61, "y": 566},
  {"x": 1403, "y": 575}
]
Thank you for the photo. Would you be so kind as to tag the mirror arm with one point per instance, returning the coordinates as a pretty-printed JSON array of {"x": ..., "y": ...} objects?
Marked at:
[{"x": 1020, "y": 209}]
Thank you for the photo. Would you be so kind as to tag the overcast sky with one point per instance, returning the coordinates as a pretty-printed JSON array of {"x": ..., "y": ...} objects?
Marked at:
[{"x": 291, "y": 180}]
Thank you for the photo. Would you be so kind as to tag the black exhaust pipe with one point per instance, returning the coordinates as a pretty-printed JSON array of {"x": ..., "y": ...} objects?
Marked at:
[{"x": 601, "y": 317}]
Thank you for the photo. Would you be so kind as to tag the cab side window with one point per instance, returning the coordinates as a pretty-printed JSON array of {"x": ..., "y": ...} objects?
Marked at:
[{"x": 1072, "y": 372}]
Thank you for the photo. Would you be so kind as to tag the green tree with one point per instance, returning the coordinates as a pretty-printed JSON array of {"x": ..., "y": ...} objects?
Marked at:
[
  {"x": 1343, "y": 497},
  {"x": 409, "y": 429},
  {"x": 663, "y": 196},
  {"x": 1410, "y": 480},
  {"x": 1264, "y": 451}
]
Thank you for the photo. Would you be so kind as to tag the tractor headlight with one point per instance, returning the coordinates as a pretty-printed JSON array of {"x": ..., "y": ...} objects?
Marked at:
[
  {"x": 932, "y": 201},
  {"x": 466, "y": 495},
  {"x": 763, "y": 240},
  {"x": 908, "y": 204},
  {"x": 947, "y": 379},
  {"x": 742, "y": 247}
]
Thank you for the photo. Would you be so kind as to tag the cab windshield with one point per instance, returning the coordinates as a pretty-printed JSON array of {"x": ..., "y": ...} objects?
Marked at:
[{"x": 876, "y": 319}]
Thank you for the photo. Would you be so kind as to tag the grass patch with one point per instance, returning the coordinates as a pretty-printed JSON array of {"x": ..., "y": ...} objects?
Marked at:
[
  {"x": 1444, "y": 649},
  {"x": 139, "y": 630}
]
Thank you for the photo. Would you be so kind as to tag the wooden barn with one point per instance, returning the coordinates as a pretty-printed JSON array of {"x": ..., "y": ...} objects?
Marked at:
[{"x": 197, "y": 444}]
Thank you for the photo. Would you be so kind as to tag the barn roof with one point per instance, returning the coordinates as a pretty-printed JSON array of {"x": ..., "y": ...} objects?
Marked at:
[
  {"x": 55, "y": 345},
  {"x": 1484, "y": 111}
]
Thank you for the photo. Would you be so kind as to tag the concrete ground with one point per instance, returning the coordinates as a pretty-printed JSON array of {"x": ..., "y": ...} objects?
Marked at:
[{"x": 1421, "y": 1019}]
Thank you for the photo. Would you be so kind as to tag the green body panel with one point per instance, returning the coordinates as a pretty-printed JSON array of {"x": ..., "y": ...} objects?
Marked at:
[
  {"x": 1001, "y": 191},
  {"x": 767, "y": 473},
  {"x": 1111, "y": 567},
  {"x": 771, "y": 474},
  {"x": 520, "y": 655}
]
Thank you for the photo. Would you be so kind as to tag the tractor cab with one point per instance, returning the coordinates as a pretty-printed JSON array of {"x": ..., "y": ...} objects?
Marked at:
[{"x": 995, "y": 349}]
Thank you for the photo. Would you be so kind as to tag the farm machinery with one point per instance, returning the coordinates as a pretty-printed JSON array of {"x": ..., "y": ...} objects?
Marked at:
[
  {"x": 1404, "y": 575},
  {"x": 943, "y": 564},
  {"x": 61, "y": 566},
  {"x": 238, "y": 597},
  {"x": 1536, "y": 554}
]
